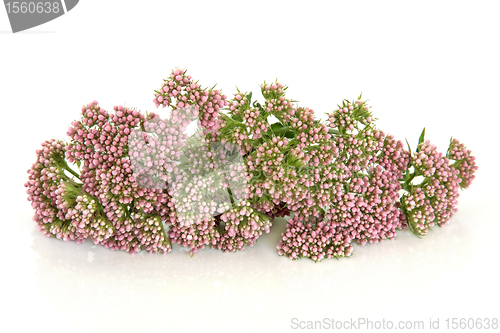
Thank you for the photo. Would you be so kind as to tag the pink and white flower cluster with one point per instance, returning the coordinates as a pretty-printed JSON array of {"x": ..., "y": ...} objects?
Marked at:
[{"x": 145, "y": 182}]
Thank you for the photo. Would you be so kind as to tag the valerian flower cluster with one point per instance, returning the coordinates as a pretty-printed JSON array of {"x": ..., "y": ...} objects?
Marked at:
[{"x": 132, "y": 181}]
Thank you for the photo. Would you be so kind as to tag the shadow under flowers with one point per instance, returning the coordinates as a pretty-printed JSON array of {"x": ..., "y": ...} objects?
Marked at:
[{"x": 86, "y": 281}]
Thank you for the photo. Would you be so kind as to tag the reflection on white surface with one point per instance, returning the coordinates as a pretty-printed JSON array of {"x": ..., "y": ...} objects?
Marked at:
[{"x": 246, "y": 291}]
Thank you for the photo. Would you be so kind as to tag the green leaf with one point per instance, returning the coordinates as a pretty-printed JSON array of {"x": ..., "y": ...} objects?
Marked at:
[
  {"x": 333, "y": 131},
  {"x": 276, "y": 126},
  {"x": 279, "y": 129},
  {"x": 249, "y": 97},
  {"x": 409, "y": 150},
  {"x": 256, "y": 105},
  {"x": 421, "y": 139}
]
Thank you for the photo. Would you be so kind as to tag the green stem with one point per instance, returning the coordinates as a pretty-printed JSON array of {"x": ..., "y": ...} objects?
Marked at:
[
  {"x": 61, "y": 163},
  {"x": 231, "y": 196},
  {"x": 67, "y": 168}
]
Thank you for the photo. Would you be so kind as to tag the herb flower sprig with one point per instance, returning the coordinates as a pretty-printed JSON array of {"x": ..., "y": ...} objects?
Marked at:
[{"x": 132, "y": 181}]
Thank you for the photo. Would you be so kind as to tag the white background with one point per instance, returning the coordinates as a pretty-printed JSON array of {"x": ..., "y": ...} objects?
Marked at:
[{"x": 424, "y": 63}]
